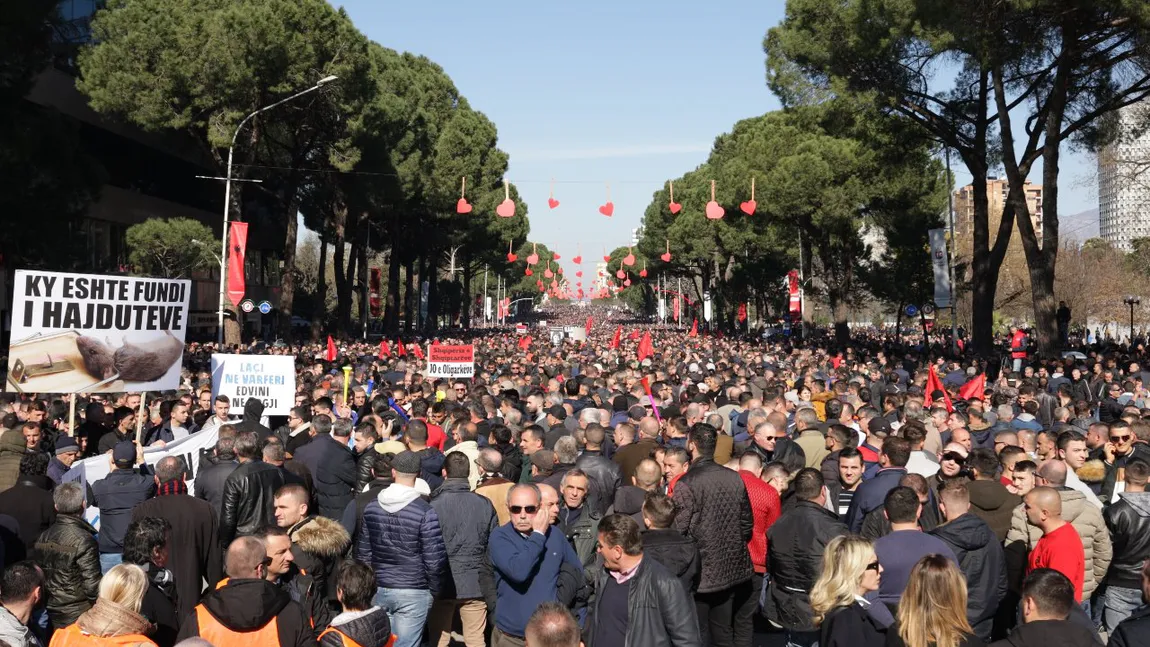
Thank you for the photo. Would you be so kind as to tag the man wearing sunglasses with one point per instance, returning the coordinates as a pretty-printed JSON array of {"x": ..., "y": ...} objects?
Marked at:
[
  {"x": 1122, "y": 446},
  {"x": 528, "y": 554}
]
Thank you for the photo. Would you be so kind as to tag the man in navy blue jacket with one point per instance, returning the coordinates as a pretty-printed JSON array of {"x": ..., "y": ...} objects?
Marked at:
[
  {"x": 871, "y": 493},
  {"x": 402, "y": 541},
  {"x": 527, "y": 553}
]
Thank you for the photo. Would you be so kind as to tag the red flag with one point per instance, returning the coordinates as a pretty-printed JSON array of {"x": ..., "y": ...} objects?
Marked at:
[
  {"x": 237, "y": 243},
  {"x": 384, "y": 349},
  {"x": 974, "y": 388},
  {"x": 634, "y": 335},
  {"x": 617, "y": 338},
  {"x": 373, "y": 291},
  {"x": 646, "y": 349},
  {"x": 694, "y": 329},
  {"x": 400, "y": 349},
  {"x": 742, "y": 312},
  {"x": 934, "y": 384},
  {"x": 796, "y": 302},
  {"x": 435, "y": 343},
  {"x": 590, "y": 321},
  {"x": 330, "y": 349},
  {"x": 524, "y": 342},
  {"x": 417, "y": 350}
]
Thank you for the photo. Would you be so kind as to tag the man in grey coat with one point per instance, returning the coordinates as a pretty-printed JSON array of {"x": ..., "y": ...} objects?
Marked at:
[{"x": 466, "y": 520}]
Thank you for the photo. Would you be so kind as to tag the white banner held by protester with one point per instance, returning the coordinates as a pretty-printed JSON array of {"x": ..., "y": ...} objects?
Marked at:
[
  {"x": 451, "y": 361},
  {"x": 941, "y": 267},
  {"x": 74, "y": 333},
  {"x": 270, "y": 378},
  {"x": 95, "y": 468}
]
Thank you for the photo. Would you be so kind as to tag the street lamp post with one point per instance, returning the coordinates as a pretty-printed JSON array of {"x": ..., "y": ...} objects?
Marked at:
[
  {"x": 228, "y": 200},
  {"x": 1132, "y": 301}
]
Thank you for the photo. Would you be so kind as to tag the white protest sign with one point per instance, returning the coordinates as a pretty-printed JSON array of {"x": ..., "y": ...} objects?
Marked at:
[
  {"x": 270, "y": 378},
  {"x": 75, "y": 333},
  {"x": 95, "y": 468},
  {"x": 451, "y": 361}
]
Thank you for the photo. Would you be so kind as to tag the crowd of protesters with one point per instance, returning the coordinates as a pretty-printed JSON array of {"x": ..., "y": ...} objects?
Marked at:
[{"x": 643, "y": 487}]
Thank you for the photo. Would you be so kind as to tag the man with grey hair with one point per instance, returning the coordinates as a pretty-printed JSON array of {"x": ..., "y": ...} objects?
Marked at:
[
  {"x": 492, "y": 485},
  {"x": 552, "y": 625},
  {"x": 70, "y": 557},
  {"x": 810, "y": 437},
  {"x": 566, "y": 453},
  {"x": 193, "y": 549},
  {"x": 578, "y": 519},
  {"x": 332, "y": 465}
]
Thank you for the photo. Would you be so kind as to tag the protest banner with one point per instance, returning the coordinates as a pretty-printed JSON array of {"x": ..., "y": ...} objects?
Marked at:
[
  {"x": 451, "y": 361},
  {"x": 75, "y": 333},
  {"x": 95, "y": 468},
  {"x": 269, "y": 378}
]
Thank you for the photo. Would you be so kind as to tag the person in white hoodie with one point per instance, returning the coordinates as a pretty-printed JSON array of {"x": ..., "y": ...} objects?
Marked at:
[
  {"x": 21, "y": 590},
  {"x": 402, "y": 541}
]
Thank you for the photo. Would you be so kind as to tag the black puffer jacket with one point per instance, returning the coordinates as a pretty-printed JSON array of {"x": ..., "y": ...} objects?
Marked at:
[
  {"x": 1128, "y": 521},
  {"x": 714, "y": 510},
  {"x": 71, "y": 561},
  {"x": 370, "y": 627},
  {"x": 983, "y": 563},
  {"x": 675, "y": 551},
  {"x": 249, "y": 500},
  {"x": 795, "y": 545},
  {"x": 253, "y": 411},
  {"x": 659, "y": 611},
  {"x": 466, "y": 520}
]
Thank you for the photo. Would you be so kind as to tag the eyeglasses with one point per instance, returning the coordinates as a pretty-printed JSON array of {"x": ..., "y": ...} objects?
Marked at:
[
  {"x": 873, "y": 566},
  {"x": 518, "y": 509},
  {"x": 1119, "y": 439}
]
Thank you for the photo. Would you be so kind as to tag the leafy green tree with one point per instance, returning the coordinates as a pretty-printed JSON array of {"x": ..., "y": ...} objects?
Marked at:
[{"x": 171, "y": 248}]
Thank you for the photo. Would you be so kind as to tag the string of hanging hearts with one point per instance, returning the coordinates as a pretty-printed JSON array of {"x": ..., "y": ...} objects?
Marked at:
[{"x": 506, "y": 208}]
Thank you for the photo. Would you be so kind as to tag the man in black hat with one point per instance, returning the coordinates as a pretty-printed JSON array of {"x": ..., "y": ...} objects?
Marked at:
[
  {"x": 116, "y": 494},
  {"x": 67, "y": 451}
]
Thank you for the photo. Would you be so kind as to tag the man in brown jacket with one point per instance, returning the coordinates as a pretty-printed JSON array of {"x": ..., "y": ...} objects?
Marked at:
[
  {"x": 629, "y": 456},
  {"x": 491, "y": 484}
]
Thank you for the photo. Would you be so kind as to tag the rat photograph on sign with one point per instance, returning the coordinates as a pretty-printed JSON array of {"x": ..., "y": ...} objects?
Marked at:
[{"x": 86, "y": 333}]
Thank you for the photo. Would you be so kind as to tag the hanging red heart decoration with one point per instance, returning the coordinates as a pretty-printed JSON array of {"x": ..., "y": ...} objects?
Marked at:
[
  {"x": 714, "y": 211},
  {"x": 608, "y": 208},
  {"x": 511, "y": 257},
  {"x": 556, "y": 256},
  {"x": 579, "y": 273},
  {"x": 528, "y": 272},
  {"x": 534, "y": 257},
  {"x": 748, "y": 207},
  {"x": 629, "y": 259},
  {"x": 554, "y": 284},
  {"x": 667, "y": 254},
  {"x": 675, "y": 207},
  {"x": 627, "y": 283},
  {"x": 547, "y": 273},
  {"x": 643, "y": 272},
  {"x": 552, "y": 202},
  {"x": 462, "y": 206},
  {"x": 578, "y": 260},
  {"x": 559, "y": 270},
  {"x": 506, "y": 209},
  {"x": 621, "y": 274}
]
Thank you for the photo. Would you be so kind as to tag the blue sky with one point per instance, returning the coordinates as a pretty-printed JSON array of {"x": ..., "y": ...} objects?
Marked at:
[{"x": 587, "y": 93}]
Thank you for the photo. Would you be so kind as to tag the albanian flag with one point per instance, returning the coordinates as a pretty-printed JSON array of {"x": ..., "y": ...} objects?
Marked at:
[
  {"x": 417, "y": 350},
  {"x": 330, "y": 355},
  {"x": 934, "y": 384},
  {"x": 617, "y": 338},
  {"x": 384, "y": 349},
  {"x": 646, "y": 349},
  {"x": 974, "y": 388},
  {"x": 694, "y": 329}
]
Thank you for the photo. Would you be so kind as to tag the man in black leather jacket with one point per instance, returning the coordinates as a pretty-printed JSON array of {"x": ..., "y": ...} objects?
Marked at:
[
  {"x": 1128, "y": 521},
  {"x": 638, "y": 601},
  {"x": 249, "y": 492}
]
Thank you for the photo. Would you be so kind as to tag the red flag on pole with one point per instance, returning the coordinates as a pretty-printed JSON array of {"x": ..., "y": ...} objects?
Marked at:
[
  {"x": 384, "y": 349},
  {"x": 400, "y": 349},
  {"x": 617, "y": 338},
  {"x": 417, "y": 350},
  {"x": 524, "y": 342},
  {"x": 694, "y": 329},
  {"x": 974, "y": 388},
  {"x": 742, "y": 312},
  {"x": 237, "y": 243},
  {"x": 646, "y": 349},
  {"x": 590, "y": 321},
  {"x": 934, "y": 384},
  {"x": 330, "y": 356}
]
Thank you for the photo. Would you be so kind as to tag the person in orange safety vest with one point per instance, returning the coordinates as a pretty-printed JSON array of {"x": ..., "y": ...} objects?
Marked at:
[{"x": 248, "y": 611}]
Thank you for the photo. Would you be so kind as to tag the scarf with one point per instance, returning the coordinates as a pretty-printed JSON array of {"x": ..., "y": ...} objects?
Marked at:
[
  {"x": 169, "y": 488},
  {"x": 106, "y": 619}
]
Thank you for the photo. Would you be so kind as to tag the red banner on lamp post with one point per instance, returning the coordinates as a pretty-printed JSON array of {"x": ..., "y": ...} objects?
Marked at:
[
  {"x": 237, "y": 243},
  {"x": 373, "y": 290}
]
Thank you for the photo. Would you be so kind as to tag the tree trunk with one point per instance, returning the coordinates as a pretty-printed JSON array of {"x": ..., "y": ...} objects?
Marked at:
[
  {"x": 362, "y": 272},
  {"x": 319, "y": 317},
  {"x": 410, "y": 299},
  {"x": 287, "y": 293},
  {"x": 466, "y": 302}
]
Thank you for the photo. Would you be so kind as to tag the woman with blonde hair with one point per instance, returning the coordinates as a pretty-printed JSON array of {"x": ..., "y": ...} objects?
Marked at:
[
  {"x": 932, "y": 612},
  {"x": 115, "y": 620},
  {"x": 850, "y": 571}
]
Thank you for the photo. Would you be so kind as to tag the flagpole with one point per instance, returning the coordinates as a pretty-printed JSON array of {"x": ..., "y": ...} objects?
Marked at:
[{"x": 483, "y": 305}]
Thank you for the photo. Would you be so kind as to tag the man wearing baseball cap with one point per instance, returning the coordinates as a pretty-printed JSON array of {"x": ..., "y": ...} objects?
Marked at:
[
  {"x": 401, "y": 540},
  {"x": 116, "y": 494}
]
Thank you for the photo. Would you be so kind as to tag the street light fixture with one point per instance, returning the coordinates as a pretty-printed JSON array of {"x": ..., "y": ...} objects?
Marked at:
[
  {"x": 1132, "y": 301},
  {"x": 228, "y": 198}
]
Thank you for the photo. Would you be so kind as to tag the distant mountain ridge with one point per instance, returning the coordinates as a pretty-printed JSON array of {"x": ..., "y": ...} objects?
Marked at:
[{"x": 1079, "y": 226}]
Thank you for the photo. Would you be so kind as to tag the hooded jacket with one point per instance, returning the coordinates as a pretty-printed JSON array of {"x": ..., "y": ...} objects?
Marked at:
[
  {"x": 317, "y": 545},
  {"x": 1086, "y": 519},
  {"x": 11, "y": 451},
  {"x": 368, "y": 627},
  {"x": 1128, "y": 521},
  {"x": 244, "y": 606},
  {"x": 629, "y": 500},
  {"x": 15, "y": 633},
  {"x": 253, "y": 411},
  {"x": 983, "y": 564},
  {"x": 106, "y": 623},
  {"x": 402, "y": 541},
  {"x": 994, "y": 504}
]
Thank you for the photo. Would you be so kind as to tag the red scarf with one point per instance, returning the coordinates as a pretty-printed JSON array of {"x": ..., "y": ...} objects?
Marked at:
[{"x": 169, "y": 488}]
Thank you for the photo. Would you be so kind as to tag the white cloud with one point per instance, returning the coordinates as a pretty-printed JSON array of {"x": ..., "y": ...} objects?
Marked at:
[{"x": 643, "y": 150}]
